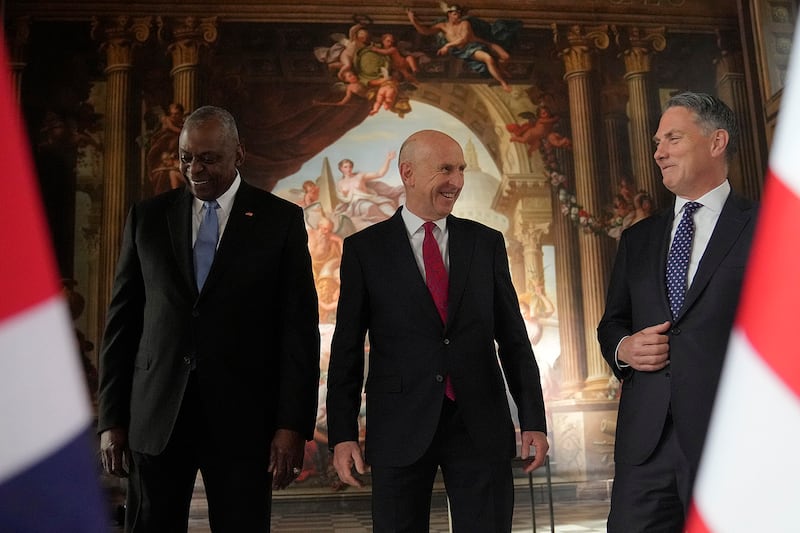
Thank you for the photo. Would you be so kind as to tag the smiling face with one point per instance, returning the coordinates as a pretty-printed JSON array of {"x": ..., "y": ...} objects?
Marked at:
[
  {"x": 692, "y": 160},
  {"x": 209, "y": 155},
  {"x": 432, "y": 168}
]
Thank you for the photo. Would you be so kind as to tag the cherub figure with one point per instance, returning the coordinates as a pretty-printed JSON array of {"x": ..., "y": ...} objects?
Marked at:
[
  {"x": 404, "y": 64},
  {"x": 351, "y": 87},
  {"x": 471, "y": 39},
  {"x": 386, "y": 94},
  {"x": 165, "y": 139},
  {"x": 539, "y": 126},
  {"x": 167, "y": 176},
  {"x": 341, "y": 56}
]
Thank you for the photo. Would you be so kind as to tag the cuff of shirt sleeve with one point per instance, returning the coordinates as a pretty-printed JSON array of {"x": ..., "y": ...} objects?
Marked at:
[{"x": 620, "y": 364}]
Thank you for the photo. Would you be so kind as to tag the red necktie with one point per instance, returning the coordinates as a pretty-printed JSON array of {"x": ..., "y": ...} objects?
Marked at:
[{"x": 438, "y": 285}]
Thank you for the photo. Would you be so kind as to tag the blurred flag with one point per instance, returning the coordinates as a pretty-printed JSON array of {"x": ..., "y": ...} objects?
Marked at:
[
  {"x": 48, "y": 476},
  {"x": 750, "y": 467}
]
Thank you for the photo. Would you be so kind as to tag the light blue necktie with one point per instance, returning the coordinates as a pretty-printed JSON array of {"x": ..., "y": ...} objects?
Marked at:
[
  {"x": 206, "y": 244},
  {"x": 678, "y": 260}
]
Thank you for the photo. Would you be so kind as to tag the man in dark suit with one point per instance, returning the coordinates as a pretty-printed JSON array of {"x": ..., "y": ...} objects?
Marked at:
[
  {"x": 435, "y": 392},
  {"x": 218, "y": 375},
  {"x": 665, "y": 342}
]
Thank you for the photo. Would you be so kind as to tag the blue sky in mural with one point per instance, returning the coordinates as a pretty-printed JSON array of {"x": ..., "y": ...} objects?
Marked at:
[{"x": 368, "y": 143}]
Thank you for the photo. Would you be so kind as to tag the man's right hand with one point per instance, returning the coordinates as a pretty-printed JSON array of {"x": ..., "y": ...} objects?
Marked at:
[
  {"x": 347, "y": 455},
  {"x": 646, "y": 350},
  {"x": 114, "y": 451}
]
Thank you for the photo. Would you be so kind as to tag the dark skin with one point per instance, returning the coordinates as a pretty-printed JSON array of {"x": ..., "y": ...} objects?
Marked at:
[{"x": 209, "y": 157}]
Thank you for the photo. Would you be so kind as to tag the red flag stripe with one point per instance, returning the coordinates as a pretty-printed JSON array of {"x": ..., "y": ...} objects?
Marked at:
[
  {"x": 27, "y": 273},
  {"x": 695, "y": 522},
  {"x": 768, "y": 310}
]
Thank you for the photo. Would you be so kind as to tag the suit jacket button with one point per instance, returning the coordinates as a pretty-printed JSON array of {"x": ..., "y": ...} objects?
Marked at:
[
  {"x": 439, "y": 378},
  {"x": 447, "y": 341},
  {"x": 187, "y": 359},
  {"x": 676, "y": 331},
  {"x": 195, "y": 313}
]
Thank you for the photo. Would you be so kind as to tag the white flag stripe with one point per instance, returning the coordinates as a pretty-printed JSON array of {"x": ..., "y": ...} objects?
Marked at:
[
  {"x": 783, "y": 155},
  {"x": 752, "y": 441},
  {"x": 43, "y": 400}
]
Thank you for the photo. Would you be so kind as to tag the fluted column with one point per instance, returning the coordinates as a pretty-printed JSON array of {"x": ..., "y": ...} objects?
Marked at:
[
  {"x": 615, "y": 126},
  {"x": 576, "y": 47},
  {"x": 638, "y": 45},
  {"x": 531, "y": 234},
  {"x": 185, "y": 39},
  {"x": 745, "y": 172},
  {"x": 18, "y": 36},
  {"x": 569, "y": 300},
  {"x": 118, "y": 37}
]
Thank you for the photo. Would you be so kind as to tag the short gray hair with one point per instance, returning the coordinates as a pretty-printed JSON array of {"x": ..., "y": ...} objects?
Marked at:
[
  {"x": 210, "y": 112},
  {"x": 712, "y": 114}
]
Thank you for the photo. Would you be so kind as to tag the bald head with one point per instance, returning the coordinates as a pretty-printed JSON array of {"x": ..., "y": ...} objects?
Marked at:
[
  {"x": 413, "y": 147},
  {"x": 432, "y": 169}
]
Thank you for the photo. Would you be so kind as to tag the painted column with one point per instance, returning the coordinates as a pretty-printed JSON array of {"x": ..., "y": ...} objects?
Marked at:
[
  {"x": 745, "y": 173},
  {"x": 576, "y": 46},
  {"x": 615, "y": 128},
  {"x": 569, "y": 292},
  {"x": 638, "y": 45},
  {"x": 185, "y": 39},
  {"x": 118, "y": 38},
  {"x": 18, "y": 35}
]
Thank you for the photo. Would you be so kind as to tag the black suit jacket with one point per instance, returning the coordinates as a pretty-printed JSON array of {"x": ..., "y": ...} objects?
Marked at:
[
  {"x": 251, "y": 335},
  {"x": 410, "y": 350},
  {"x": 698, "y": 341}
]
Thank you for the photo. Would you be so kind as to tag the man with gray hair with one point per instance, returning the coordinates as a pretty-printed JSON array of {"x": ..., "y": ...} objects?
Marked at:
[
  {"x": 669, "y": 312},
  {"x": 210, "y": 359}
]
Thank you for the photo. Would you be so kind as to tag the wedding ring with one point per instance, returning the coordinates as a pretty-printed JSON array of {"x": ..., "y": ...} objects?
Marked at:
[{"x": 296, "y": 471}]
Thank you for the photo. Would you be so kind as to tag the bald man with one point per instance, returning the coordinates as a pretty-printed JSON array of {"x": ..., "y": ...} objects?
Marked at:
[{"x": 435, "y": 294}]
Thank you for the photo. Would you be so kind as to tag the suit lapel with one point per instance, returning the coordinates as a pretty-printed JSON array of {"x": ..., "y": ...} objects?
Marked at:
[
  {"x": 461, "y": 248},
  {"x": 404, "y": 266},
  {"x": 179, "y": 220},
  {"x": 662, "y": 235},
  {"x": 237, "y": 231},
  {"x": 732, "y": 221}
]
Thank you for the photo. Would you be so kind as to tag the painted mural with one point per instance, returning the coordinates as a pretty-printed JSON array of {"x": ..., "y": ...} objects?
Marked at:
[{"x": 322, "y": 110}]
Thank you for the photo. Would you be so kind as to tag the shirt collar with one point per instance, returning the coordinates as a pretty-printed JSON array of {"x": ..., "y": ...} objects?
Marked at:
[
  {"x": 413, "y": 223},
  {"x": 713, "y": 200}
]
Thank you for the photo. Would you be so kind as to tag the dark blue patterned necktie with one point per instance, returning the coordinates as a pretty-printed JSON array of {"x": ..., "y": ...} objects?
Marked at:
[
  {"x": 206, "y": 244},
  {"x": 678, "y": 260}
]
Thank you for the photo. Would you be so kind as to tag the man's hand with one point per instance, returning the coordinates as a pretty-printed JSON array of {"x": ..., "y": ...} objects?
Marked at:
[
  {"x": 285, "y": 457},
  {"x": 533, "y": 458},
  {"x": 347, "y": 455},
  {"x": 646, "y": 350},
  {"x": 114, "y": 451}
]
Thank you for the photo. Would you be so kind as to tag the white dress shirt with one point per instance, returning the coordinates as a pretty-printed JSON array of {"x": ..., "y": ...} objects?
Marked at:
[
  {"x": 705, "y": 220},
  {"x": 416, "y": 234},
  {"x": 223, "y": 213}
]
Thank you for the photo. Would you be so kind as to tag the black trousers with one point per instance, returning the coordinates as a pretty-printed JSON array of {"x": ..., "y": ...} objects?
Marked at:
[
  {"x": 238, "y": 489},
  {"x": 480, "y": 490},
  {"x": 653, "y": 497}
]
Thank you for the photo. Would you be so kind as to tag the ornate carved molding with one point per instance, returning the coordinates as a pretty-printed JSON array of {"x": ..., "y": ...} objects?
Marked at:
[
  {"x": 577, "y": 44},
  {"x": 186, "y": 36},
  {"x": 118, "y": 36},
  {"x": 638, "y": 44}
]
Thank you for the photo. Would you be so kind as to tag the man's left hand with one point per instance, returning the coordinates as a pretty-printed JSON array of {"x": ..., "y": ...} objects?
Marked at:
[
  {"x": 285, "y": 457},
  {"x": 534, "y": 450}
]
